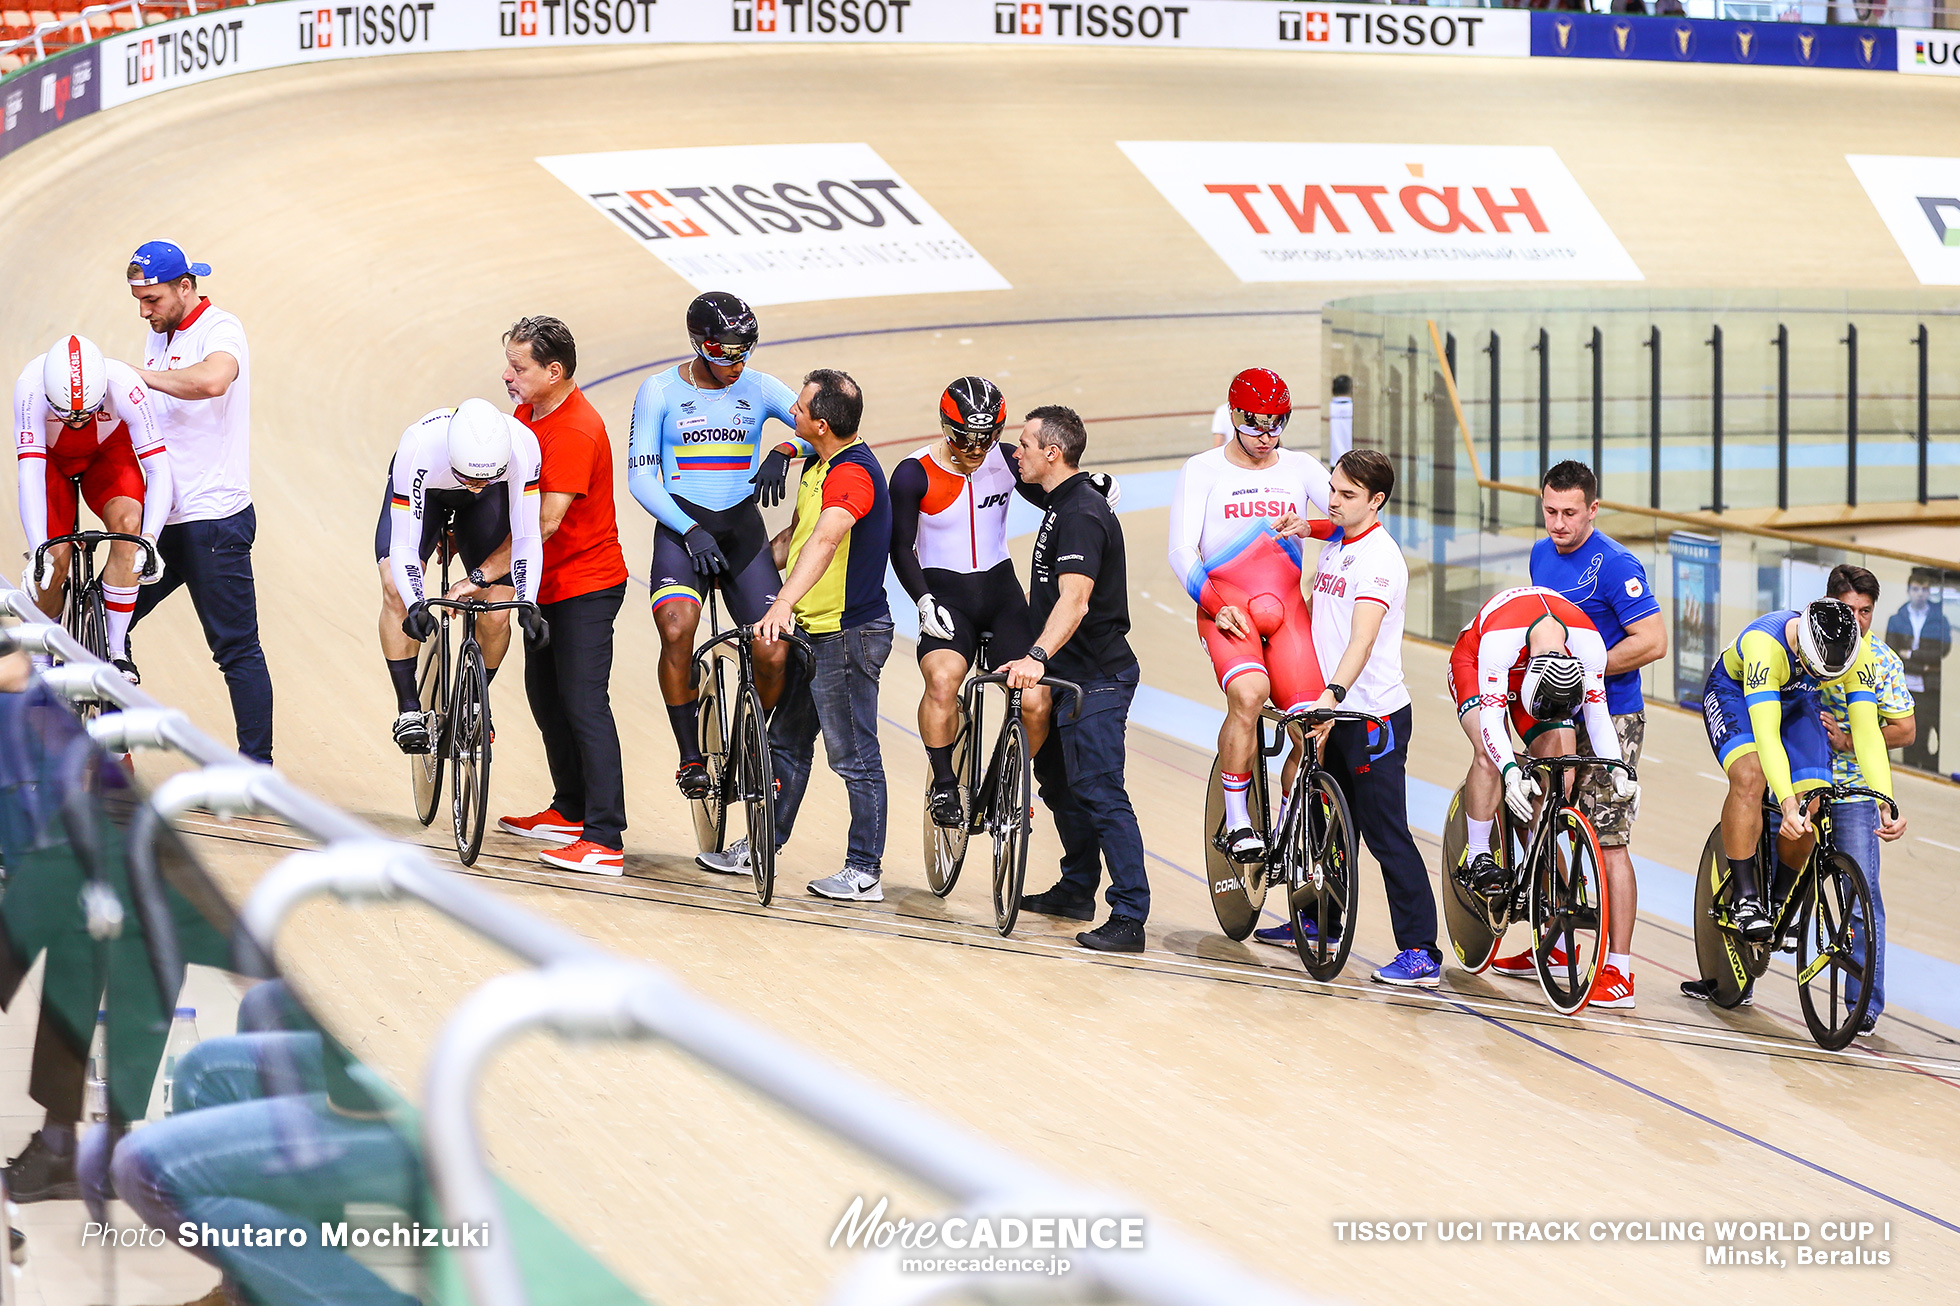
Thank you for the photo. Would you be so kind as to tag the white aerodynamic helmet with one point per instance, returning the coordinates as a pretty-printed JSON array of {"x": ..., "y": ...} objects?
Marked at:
[
  {"x": 75, "y": 378},
  {"x": 479, "y": 441}
]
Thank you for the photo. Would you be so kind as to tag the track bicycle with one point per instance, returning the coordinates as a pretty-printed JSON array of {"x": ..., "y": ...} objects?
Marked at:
[
  {"x": 734, "y": 739},
  {"x": 1557, "y": 883},
  {"x": 84, "y": 611},
  {"x": 997, "y": 801},
  {"x": 1312, "y": 850},
  {"x": 455, "y": 696},
  {"x": 1822, "y": 914}
]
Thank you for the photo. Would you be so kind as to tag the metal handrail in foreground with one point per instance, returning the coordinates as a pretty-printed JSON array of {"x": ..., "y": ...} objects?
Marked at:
[{"x": 580, "y": 991}]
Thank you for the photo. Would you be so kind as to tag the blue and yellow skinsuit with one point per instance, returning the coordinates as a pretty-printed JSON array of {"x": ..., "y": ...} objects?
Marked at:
[{"x": 1760, "y": 699}]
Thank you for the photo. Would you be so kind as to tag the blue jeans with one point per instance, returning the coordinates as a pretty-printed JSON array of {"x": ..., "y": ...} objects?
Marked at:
[
  {"x": 1080, "y": 771},
  {"x": 838, "y": 697},
  {"x": 1856, "y": 828},
  {"x": 213, "y": 559}
]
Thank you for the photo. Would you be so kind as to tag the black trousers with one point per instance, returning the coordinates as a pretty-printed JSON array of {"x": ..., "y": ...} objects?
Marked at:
[
  {"x": 569, "y": 683},
  {"x": 1080, "y": 773},
  {"x": 1377, "y": 793}
]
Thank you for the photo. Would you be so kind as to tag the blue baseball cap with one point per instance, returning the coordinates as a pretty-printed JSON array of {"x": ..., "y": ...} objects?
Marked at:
[{"x": 161, "y": 260}]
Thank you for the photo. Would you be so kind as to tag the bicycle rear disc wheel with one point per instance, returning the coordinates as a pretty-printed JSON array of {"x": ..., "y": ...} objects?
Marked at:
[
  {"x": 425, "y": 769},
  {"x": 755, "y": 779},
  {"x": 1569, "y": 911},
  {"x": 1474, "y": 935},
  {"x": 1720, "y": 953},
  {"x": 1238, "y": 889},
  {"x": 469, "y": 778},
  {"x": 1322, "y": 846},
  {"x": 1834, "y": 950},
  {"x": 1009, "y": 822},
  {"x": 711, "y": 732},
  {"x": 946, "y": 848}
]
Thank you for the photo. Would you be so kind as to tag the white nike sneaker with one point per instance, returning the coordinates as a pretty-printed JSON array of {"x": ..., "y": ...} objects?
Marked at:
[
  {"x": 850, "y": 886},
  {"x": 732, "y": 860}
]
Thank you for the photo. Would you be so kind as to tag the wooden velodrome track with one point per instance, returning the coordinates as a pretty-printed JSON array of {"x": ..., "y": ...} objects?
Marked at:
[{"x": 377, "y": 225}]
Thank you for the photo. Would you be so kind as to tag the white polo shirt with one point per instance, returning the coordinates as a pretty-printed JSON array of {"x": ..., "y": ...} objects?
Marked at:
[
  {"x": 209, "y": 439},
  {"x": 1366, "y": 569}
]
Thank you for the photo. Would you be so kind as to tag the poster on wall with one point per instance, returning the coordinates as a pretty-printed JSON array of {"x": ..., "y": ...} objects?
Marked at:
[
  {"x": 1324, "y": 212},
  {"x": 779, "y": 224},
  {"x": 1919, "y": 201},
  {"x": 1697, "y": 562}
]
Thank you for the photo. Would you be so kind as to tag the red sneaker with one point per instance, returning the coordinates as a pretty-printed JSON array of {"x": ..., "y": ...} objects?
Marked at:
[
  {"x": 1611, "y": 989},
  {"x": 1524, "y": 965},
  {"x": 547, "y": 825},
  {"x": 595, "y": 858}
]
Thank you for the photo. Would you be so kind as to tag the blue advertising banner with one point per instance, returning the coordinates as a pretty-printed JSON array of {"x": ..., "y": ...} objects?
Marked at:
[
  {"x": 1693, "y": 40},
  {"x": 1697, "y": 612},
  {"x": 56, "y": 91}
]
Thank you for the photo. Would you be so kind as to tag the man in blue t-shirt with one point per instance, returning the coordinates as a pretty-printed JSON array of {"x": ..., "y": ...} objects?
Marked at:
[{"x": 1610, "y": 586}]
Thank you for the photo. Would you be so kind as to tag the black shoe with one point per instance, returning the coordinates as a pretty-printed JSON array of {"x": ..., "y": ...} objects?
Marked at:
[
  {"x": 412, "y": 732},
  {"x": 1119, "y": 933},
  {"x": 1488, "y": 876},
  {"x": 1245, "y": 845},
  {"x": 1751, "y": 921},
  {"x": 693, "y": 779},
  {"x": 38, "y": 1175},
  {"x": 948, "y": 812},
  {"x": 1702, "y": 990},
  {"x": 1867, "y": 1025},
  {"x": 128, "y": 669},
  {"x": 1058, "y": 902}
]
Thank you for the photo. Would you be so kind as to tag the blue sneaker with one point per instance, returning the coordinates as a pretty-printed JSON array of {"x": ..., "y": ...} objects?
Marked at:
[
  {"x": 1281, "y": 935},
  {"x": 1411, "y": 969}
]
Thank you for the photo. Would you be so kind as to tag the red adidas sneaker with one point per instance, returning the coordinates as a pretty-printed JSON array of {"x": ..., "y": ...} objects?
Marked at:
[
  {"x": 595, "y": 858},
  {"x": 547, "y": 825},
  {"x": 1611, "y": 989},
  {"x": 1523, "y": 965}
]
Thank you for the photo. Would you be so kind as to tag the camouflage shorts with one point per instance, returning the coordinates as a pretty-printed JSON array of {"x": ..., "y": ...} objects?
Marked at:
[{"x": 1613, "y": 819}]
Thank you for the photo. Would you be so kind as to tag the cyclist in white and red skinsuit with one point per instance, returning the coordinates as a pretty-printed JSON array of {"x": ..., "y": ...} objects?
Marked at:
[
  {"x": 1236, "y": 518},
  {"x": 86, "y": 428}
]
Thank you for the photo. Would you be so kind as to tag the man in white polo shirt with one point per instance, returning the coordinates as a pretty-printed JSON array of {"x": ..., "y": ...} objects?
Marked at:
[
  {"x": 195, "y": 361},
  {"x": 1360, "y": 599}
]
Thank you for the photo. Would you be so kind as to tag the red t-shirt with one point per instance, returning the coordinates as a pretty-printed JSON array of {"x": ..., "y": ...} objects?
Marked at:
[{"x": 582, "y": 555}]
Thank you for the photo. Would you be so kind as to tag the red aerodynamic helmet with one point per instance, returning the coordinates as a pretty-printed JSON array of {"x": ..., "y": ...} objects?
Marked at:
[{"x": 1260, "y": 401}]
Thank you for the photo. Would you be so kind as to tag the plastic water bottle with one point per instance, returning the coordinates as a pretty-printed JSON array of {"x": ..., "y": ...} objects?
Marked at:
[
  {"x": 95, "y": 1096},
  {"x": 183, "y": 1037}
]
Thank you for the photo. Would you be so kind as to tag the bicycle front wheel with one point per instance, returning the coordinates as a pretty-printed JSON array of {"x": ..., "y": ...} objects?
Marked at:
[
  {"x": 711, "y": 731},
  {"x": 1009, "y": 821},
  {"x": 1319, "y": 851},
  {"x": 1568, "y": 910},
  {"x": 425, "y": 769},
  {"x": 469, "y": 737},
  {"x": 89, "y": 624},
  {"x": 1835, "y": 951},
  {"x": 755, "y": 780},
  {"x": 946, "y": 846}
]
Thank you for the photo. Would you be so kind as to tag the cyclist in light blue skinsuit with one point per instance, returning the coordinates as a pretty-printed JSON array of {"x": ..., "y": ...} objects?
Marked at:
[{"x": 695, "y": 461}]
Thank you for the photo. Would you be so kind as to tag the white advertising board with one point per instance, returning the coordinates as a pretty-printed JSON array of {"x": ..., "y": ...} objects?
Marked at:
[
  {"x": 1929, "y": 53},
  {"x": 779, "y": 224},
  {"x": 1919, "y": 201},
  {"x": 1327, "y": 212}
]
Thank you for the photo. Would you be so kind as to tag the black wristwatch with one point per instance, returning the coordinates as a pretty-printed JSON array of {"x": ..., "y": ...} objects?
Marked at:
[
  {"x": 477, "y": 577},
  {"x": 1039, "y": 654},
  {"x": 1339, "y": 692}
]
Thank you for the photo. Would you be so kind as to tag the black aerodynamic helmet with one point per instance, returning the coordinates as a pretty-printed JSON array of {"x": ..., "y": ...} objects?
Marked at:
[
  {"x": 722, "y": 327},
  {"x": 972, "y": 413}
]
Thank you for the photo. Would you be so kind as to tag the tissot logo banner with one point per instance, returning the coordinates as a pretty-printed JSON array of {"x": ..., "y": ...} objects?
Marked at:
[
  {"x": 1919, "y": 201},
  {"x": 1304, "y": 212},
  {"x": 779, "y": 224},
  {"x": 1929, "y": 53}
]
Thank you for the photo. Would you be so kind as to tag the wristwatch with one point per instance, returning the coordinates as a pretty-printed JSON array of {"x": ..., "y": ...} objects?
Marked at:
[
  {"x": 1339, "y": 692},
  {"x": 1039, "y": 654},
  {"x": 477, "y": 577}
]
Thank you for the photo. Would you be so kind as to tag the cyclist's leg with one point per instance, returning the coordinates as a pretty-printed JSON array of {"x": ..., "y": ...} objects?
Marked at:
[
  {"x": 1002, "y": 608},
  {"x": 113, "y": 487},
  {"x": 1726, "y": 720},
  {"x": 397, "y": 649},
  {"x": 482, "y": 531},
  {"x": 676, "y": 615},
  {"x": 749, "y": 590},
  {"x": 939, "y": 707},
  {"x": 1809, "y": 751},
  {"x": 1293, "y": 666},
  {"x": 1240, "y": 665}
]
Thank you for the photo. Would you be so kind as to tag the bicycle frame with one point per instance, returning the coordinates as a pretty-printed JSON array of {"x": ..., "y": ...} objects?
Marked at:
[
  {"x": 1786, "y": 907},
  {"x": 974, "y": 684},
  {"x": 1302, "y": 778},
  {"x": 1540, "y": 833},
  {"x": 85, "y": 597}
]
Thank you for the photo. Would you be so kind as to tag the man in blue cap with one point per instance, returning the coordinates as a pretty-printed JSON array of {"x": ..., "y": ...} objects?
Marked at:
[{"x": 196, "y": 360}]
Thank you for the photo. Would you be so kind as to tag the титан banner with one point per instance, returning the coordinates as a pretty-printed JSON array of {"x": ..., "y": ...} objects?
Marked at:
[{"x": 1312, "y": 212}]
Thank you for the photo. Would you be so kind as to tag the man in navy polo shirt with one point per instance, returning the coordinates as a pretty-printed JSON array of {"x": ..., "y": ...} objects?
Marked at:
[{"x": 1610, "y": 586}]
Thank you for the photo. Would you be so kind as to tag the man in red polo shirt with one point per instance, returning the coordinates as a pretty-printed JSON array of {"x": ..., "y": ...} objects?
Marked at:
[{"x": 569, "y": 678}]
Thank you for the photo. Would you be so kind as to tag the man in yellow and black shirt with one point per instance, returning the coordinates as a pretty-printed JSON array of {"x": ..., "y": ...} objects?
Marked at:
[{"x": 834, "y": 553}]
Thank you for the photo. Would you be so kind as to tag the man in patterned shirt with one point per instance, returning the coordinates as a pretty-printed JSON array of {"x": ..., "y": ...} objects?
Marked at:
[{"x": 1856, "y": 822}]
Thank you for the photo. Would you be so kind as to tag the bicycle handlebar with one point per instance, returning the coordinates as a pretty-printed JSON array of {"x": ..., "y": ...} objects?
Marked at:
[
  {"x": 89, "y": 539},
  {"x": 1314, "y": 716},
  {"x": 1531, "y": 763},
  {"x": 479, "y": 605},
  {"x": 794, "y": 640},
  {"x": 1050, "y": 682},
  {"x": 1835, "y": 794}
]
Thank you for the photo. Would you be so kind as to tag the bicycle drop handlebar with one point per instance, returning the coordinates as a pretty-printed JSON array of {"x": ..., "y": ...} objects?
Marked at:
[
  {"x": 1313, "y": 716},
  {"x": 1050, "y": 682},
  {"x": 1530, "y": 763},
  {"x": 480, "y": 606},
  {"x": 1834, "y": 794},
  {"x": 89, "y": 539},
  {"x": 789, "y": 637}
]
